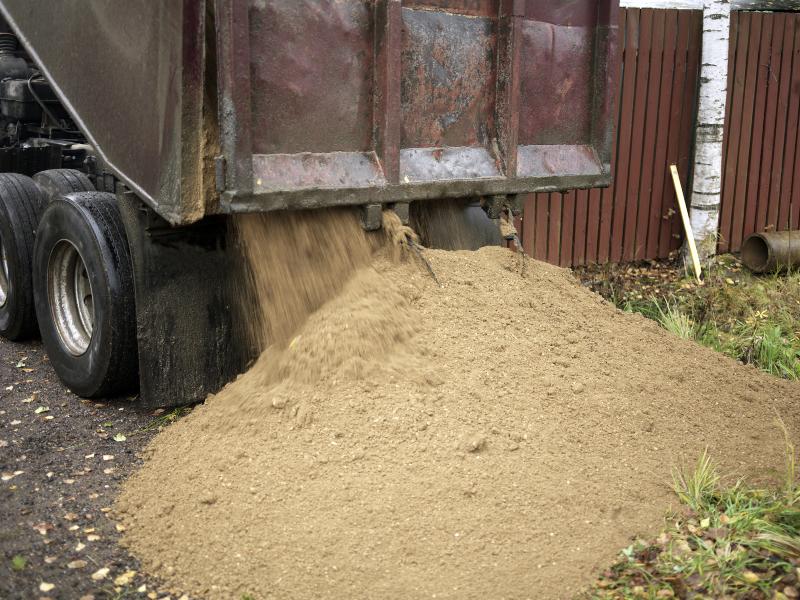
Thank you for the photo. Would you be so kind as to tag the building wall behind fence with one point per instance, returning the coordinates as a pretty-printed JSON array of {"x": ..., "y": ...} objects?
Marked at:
[
  {"x": 761, "y": 185},
  {"x": 637, "y": 217}
]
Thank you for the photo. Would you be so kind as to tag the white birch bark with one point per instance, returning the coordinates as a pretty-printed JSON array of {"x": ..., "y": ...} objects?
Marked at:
[{"x": 707, "y": 172}]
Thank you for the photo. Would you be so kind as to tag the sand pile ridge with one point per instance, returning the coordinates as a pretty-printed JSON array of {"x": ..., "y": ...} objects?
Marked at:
[{"x": 499, "y": 436}]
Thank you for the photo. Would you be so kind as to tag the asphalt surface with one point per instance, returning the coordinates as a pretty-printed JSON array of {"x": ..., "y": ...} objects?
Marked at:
[{"x": 62, "y": 460}]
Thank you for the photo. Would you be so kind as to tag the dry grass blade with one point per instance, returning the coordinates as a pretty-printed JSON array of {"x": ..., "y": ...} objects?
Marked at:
[{"x": 696, "y": 487}]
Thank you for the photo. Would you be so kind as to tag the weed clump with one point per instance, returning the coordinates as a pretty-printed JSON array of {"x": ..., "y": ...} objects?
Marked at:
[{"x": 727, "y": 541}]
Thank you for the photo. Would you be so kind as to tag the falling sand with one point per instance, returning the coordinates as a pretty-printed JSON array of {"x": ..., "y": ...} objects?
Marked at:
[{"x": 500, "y": 434}]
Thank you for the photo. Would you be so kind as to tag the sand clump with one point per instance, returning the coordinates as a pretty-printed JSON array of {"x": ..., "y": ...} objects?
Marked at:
[{"x": 500, "y": 435}]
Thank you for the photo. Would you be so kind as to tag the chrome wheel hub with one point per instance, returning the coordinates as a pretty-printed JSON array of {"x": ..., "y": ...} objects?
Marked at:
[{"x": 70, "y": 296}]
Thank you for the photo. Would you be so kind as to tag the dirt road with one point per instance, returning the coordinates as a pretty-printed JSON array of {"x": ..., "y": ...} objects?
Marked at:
[{"x": 61, "y": 462}]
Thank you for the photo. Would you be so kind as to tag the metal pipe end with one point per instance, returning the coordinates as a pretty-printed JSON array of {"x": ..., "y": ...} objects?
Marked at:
[{"x": 756, "y": 253}]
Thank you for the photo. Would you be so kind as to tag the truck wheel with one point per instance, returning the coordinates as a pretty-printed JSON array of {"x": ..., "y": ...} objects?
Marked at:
[
  {"x": 19, "y": 204},
  {"x": 83, "y": 286},
  {"x": 60, "y": 182}
]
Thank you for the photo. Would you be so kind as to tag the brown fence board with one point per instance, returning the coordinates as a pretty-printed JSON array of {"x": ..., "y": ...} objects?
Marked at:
[
  {"x": 761, "y": 183},
  {"x": 625, "y": 132},
  {"x": 772, "y": 85},
  {"x": 761, "y": 60},
  {"x": 785, "y": 212},
  {"x": 781, "y": 118}
]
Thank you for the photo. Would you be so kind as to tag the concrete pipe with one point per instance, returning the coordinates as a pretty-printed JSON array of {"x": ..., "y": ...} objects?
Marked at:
[{"x": 772, "y": 252}]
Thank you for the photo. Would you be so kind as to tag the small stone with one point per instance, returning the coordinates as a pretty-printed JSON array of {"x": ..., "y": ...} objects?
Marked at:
[
  {"x": 46, "y": 587},
  {"x": 100, "y": 574},
  {"x": 577, "y": 387},
  {"x": 76, "y": 564}
]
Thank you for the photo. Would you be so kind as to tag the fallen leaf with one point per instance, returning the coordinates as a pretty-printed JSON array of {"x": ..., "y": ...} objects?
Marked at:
[
  {"x": 750, "y": 577},
  {"x": 41, "y": 409},
  {"x": 77, "y": 564},
  {"x": 73, "y": 528},
  {"x": 705, "y": 523},
  {"x": 107, "y": 457},
  {"x": 43, "y": 528},
  {"x": 142, "y": 588},
  {"x": 125, "y": 578},
  {"x": 119, "y": 438},
  {"x": 88, "y": 456},
  {"x": 21, "y": 362},
  {"x": 80, "y": 546},
  {"x": 49, "y": 560},
  {"x": 120, "y": 527},
  {"x": 92, "y": 537},
  {"x": 100, "y": 574},
  {"x": 15, "y": 422},
  {"x": 108, "y": 471},
  {"x": 46, "y": 587}
]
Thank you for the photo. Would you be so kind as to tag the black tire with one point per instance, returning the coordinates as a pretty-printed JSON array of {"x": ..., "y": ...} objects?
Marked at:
[
  {"x": 60, "y": 182},
  {"x": 20, "y": 202},
  {"x": 104, "y": 362}
]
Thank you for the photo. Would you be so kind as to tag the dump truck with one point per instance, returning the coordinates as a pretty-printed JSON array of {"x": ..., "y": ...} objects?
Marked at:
[{"x": 133, "y": 129}]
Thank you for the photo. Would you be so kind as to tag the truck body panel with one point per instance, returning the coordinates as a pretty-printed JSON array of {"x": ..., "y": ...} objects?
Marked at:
[{"x": 315, "y": 103}]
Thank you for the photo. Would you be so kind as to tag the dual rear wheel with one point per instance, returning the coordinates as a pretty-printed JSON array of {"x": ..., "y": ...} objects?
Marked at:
[{"x": 65, "y": 266}]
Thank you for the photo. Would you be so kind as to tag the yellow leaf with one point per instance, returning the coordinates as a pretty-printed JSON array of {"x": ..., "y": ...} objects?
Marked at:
[{"x": 750, "y": 577}]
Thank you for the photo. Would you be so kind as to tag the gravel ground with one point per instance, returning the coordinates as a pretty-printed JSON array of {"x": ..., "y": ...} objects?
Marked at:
[{"x": 62, "y": 460}]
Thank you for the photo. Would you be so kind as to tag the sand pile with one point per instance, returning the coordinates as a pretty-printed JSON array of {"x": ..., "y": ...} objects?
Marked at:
[{"x": 500, "y": 436}]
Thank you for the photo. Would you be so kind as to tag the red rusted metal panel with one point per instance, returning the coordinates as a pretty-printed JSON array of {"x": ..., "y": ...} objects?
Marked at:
[
  {"x": 762, "y": 171},
  {"x": 637, "y": 216},
  {"x": 379, "y": 101}
]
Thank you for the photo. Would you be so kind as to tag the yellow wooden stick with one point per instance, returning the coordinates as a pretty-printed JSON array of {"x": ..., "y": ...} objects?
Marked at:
[{"x": 687, "y": 226}]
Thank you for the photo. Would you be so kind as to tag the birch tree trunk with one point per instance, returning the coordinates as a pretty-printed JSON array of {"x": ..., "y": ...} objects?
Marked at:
[{"x": 707, "y": 181}]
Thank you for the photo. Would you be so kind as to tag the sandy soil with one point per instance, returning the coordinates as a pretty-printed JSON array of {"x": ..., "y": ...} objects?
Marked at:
[{"x": 500, "y": 436}]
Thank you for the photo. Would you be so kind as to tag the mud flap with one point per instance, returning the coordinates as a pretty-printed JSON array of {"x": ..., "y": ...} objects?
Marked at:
[{"x": 186, "y": 310}]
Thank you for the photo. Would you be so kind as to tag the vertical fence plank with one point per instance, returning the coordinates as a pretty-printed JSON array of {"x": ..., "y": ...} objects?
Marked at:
[
  {"x": 650, "y": 145},
  {"x": 597, "y": 223},
  {"x": 772, "y": 77},
  {"x": 761, "y": 81},
  {"x": 781, "y": 118},
  {"x": 748, "y": 106},
  {"x": 567, "y": 228},
  {"x": 579, "y": 235},
  {"x": 625, "y": 133},
  {"x": 639, "y": 119},
  {"x": 739, "y": 34},
  {"x": 686, "y": 139}
]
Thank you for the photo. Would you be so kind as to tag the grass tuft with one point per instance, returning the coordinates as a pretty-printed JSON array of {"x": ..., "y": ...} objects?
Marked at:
[{"x": 733, "y": 541}]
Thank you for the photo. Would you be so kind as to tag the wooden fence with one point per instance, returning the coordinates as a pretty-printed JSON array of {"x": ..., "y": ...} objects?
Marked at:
[
  {"x": 637, "y": 217},
  {"x": 761, "y": 186}
]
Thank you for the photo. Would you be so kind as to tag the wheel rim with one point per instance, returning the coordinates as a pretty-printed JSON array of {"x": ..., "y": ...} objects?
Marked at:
[
  {"x": 70, "y": 296},
  {"x": 3, "y": 274}
]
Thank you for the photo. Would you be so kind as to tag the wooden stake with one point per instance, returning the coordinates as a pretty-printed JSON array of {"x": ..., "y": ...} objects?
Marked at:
[{"x": 687, "y": 226}]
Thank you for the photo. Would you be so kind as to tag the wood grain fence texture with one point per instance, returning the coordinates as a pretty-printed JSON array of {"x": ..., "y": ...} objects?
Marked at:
[
  {"x": 761, "y": 186},
  {"x": 637, "y": 217}
]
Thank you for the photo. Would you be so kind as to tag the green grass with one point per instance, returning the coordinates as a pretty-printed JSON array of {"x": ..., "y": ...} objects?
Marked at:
[
  {"x": 729, "y": 541},
  {"x": 753, "y": 319}
]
